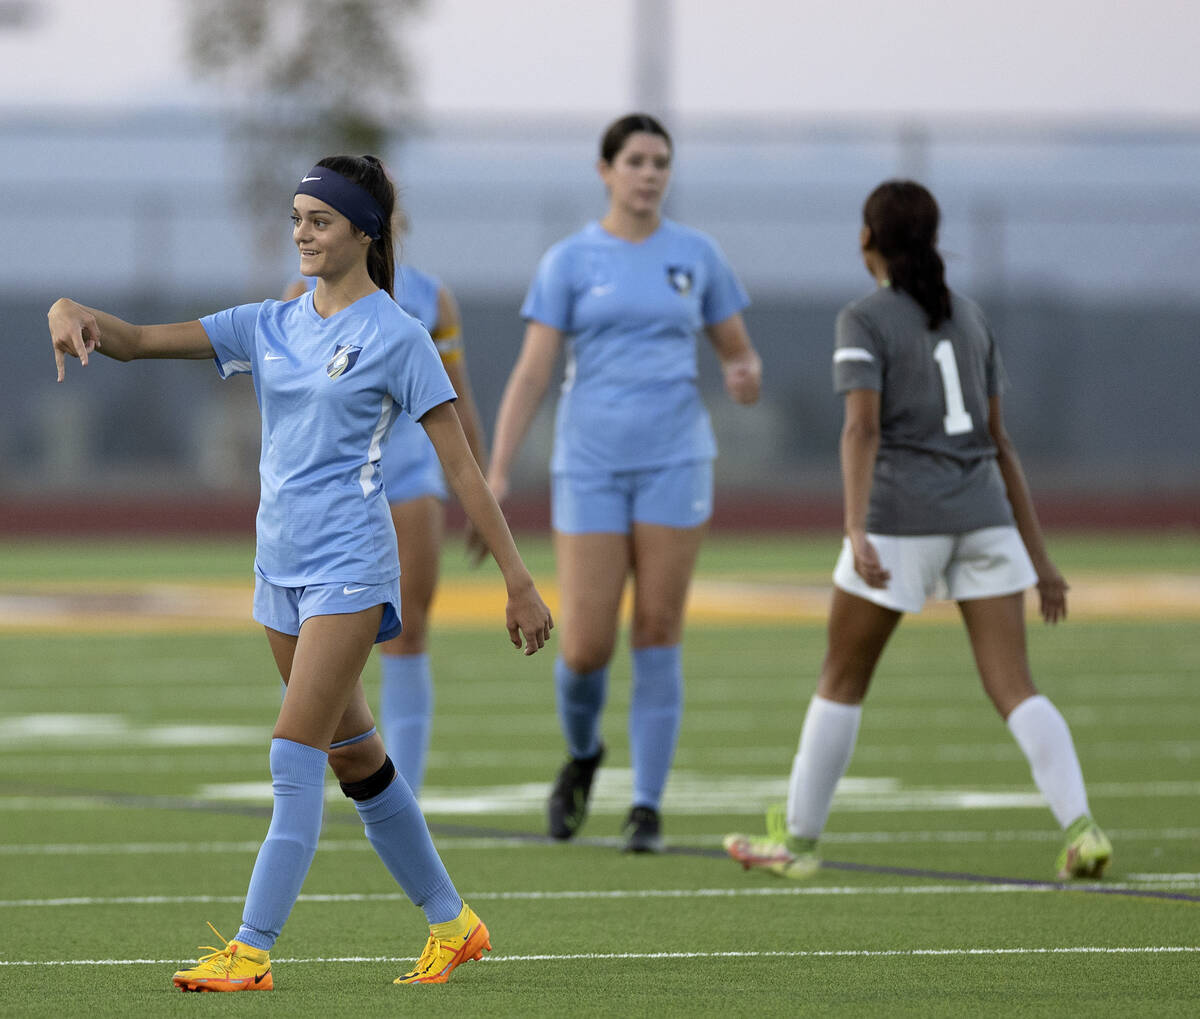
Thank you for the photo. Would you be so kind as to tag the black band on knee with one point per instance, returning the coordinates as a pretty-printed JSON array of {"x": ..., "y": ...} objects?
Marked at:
[{"x": 373, "y": 785}]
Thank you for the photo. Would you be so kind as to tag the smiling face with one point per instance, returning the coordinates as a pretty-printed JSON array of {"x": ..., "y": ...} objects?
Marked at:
[
  {"x": 329, "y": 245},
  {"x": 637, "y": 176}
]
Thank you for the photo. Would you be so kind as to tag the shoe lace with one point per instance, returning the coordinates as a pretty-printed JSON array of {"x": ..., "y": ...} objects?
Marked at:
[
  {"x": 429, "y": 956},
  {"x": 215, "y": 953}
]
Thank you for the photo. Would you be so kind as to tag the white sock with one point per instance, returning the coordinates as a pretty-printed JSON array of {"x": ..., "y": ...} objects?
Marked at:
[
  {"x": 826, "y": 743},
  {"x": 1043, "y": 736}
]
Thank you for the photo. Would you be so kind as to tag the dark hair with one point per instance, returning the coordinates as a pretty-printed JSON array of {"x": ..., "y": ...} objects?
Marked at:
[
  {"x": 368, "y": 173},
  {"x": 903, "y": 219},
  {"x": 618, "y": 132}
]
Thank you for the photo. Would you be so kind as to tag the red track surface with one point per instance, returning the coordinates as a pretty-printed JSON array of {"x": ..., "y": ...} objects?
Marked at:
[{"x": 199, "y": 515}]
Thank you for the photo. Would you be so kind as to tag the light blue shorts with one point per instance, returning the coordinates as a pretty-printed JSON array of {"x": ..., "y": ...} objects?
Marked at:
[
  {"x": 611, "y": 502},
  {"x": 285, "y": 608}
]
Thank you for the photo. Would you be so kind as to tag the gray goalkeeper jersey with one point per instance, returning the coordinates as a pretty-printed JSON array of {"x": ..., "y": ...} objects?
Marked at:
[{"x": 936, "y": 471}]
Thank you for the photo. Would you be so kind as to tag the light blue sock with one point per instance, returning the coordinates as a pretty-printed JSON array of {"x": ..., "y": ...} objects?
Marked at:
[
  {"x": 655, "y": 711},
  {"x": 396, "y": 828},
  {"x": 298, "y": 786},
  {"x": 406, "y": 714},
  {"x": 580, "y": 701}
]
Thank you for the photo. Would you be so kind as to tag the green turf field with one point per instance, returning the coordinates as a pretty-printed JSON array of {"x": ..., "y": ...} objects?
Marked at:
[{"x": 135, "y": 793}]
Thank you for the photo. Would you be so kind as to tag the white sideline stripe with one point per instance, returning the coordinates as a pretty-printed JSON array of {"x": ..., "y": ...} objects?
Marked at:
[
  {"x": 832, "y": 953},
  {"x": 536, "y": 896}
]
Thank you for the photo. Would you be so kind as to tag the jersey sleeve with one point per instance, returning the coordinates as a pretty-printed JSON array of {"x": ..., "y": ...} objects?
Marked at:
[
  {"x": 417, "y": 380},
  {"x": 231, "y": 333},
  {"x": 724, "y": 295},
  {"x": 857, "y": 354},
  {"x": 549, "y": 297}
]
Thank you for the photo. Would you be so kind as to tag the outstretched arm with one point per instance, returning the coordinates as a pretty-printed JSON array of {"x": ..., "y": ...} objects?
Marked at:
[
  {"x": 526, "y": 613},
  {"x": 740, "y": 363},
  {"x": 77, "y": 331},
  {"x": 1052, "y": 588}
]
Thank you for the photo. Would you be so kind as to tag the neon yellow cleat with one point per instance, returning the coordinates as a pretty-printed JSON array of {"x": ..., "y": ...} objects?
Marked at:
[
  {"x": 778, "y": 852},
  {"x": 442, "y": 954},
  {"x": 1086, "y": 852},
  {"x": 236, "y": 967}
]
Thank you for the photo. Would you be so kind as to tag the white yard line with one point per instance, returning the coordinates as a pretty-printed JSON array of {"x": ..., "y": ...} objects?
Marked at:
[
  {"x": 755, "y": 892},
  {"x": 833, "y": 953}
]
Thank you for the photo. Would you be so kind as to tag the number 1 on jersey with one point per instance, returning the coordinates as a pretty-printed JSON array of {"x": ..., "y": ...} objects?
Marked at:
[{"x": 957, "y": 419}]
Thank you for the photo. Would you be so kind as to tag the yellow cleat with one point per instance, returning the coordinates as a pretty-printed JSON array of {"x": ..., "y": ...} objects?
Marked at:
[
  {"x": 777, "y": 852},
  {"x": 441, "y": 955},
  {"x": 1086, "y": 852},
  {"x": 236, "y": 967}
]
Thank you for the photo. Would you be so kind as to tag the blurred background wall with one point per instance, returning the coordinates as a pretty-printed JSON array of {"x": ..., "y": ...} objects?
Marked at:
[{"x": 1079, "y": 233}]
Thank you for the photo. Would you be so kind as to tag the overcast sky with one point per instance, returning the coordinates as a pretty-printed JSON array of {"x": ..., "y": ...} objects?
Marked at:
[{"x": 1129, "y": 59}]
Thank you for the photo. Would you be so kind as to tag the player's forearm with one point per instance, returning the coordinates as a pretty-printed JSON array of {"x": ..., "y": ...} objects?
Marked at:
[
  {"x": 468, "y": 412},
  {"x": 1021, "y": 500},
  {"x": 520, "y": 402},
  {"x": 859, "y": 448},
  {"x": 442, "y": 426},
  {"x": 478, "y": 503},
  {"x": 114, "y": 337}
]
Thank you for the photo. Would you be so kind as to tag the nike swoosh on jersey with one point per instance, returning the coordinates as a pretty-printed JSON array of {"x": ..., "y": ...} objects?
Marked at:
[{"x": 352, "y": 590}]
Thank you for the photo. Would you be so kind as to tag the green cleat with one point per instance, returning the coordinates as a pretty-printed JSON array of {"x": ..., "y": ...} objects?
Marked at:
[
  {"x": 1086, "y": 851},
  {"x": 777, "y": 852}
]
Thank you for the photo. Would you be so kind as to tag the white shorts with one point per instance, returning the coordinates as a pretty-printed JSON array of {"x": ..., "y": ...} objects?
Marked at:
[{"x": 987, "y": 563}]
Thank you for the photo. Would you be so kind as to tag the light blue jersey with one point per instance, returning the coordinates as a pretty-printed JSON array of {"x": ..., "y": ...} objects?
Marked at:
[
  {"x": 631, "y": 313},
  {"x": 328, "y": 390},
  {"x": 410, "y": 465}
]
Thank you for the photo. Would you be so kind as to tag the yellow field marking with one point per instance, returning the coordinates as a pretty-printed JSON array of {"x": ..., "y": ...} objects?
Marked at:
[{"x": 153, "y": 607}]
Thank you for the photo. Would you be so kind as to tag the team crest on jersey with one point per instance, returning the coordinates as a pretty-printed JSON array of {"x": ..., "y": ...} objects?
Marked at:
[
  {"x": 343, "y": 360},
  {"x": 680, "y": 278}
]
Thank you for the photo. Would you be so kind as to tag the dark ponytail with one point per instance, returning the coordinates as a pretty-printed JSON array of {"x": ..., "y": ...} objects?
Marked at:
[
  {"x": 368, "y": 173},
  {"x": 903, "y": 218}
]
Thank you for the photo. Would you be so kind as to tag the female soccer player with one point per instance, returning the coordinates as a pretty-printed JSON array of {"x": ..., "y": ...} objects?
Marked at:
[
  {"x": 935, "y": 503},
  {"x": 416, "y": 490},
  {"x": 330, "y": 372},
  {"x": 632, "y": 463}
]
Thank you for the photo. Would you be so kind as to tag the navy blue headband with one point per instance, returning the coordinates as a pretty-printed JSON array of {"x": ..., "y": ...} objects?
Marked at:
[{"x": 342, "y": 194}]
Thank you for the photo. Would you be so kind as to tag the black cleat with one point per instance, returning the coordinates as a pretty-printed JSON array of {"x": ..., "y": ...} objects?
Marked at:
[
  {"x": 567, "y": 806},
  {"x": 643, "y": 831}
]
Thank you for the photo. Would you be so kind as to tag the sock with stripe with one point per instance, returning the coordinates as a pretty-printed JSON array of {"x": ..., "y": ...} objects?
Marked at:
[
  {"x": 298, "y": 790},
  {"x": 396, "y": 829}
]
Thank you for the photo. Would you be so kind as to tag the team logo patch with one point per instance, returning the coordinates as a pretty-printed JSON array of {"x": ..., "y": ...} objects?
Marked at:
[
  {"x": 343, "y": 360},
  {"x": 680, "y": 278}
]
